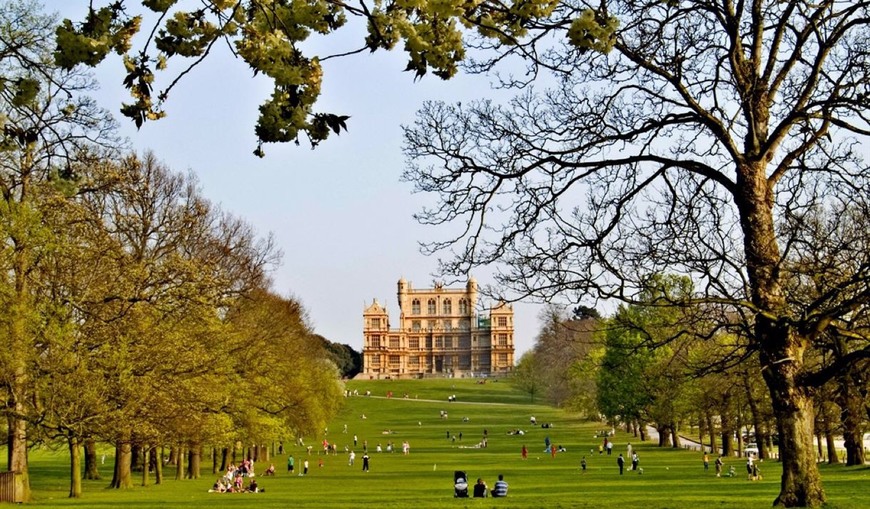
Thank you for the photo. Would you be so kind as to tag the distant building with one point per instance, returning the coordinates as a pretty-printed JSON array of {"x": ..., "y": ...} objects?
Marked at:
[{"x": 439, "y": 332}]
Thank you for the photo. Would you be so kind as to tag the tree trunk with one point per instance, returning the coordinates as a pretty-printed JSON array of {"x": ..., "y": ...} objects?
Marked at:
[
  {"x": 75, "y": 467},
  {"x": 675, "y": 436},
  {"x": 157, "y": 461},
  {"x": 781, "y": 348},
  {"x": 831, "y": 444},
  {"x": 179, "y": 464},
  {"x": 712, "y": 431},
  {"x": 851, "y": 412},
  {"x": 801, "y": 484},
  {"x": 145, "y": 450},
  {"x": 135, "y": 457},
  {"x": 123, "y": 478},
  {"x": 193, "y": 462},
  {"x": 756, "y": 418},
  {"x": 225, "y": 453},
  {"x": 154, "y": 464},
  {"x": 92, "y": 471}
]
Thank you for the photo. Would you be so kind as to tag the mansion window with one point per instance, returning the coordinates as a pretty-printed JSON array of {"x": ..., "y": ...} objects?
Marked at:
[
  {"x": 415, "y": 307},
  {"x": 502, "y": 358},
  {"x": 375, "y": 341},
  {"x": 394, "y": 361},
  {"x": 502, "y": 321},
  {"x": 502, "y": 340},
  {"x": 463, "y": 307},
  {"x": 431, "y": 308},
  {"x": 429, "y": 343},
  {"x": 430, "y": 324},
  {"x": 439, "y": 342},
  {"x": 376, "y": 360},
  {"x": 447, "y": 307},
  {"x": 448, "y": 324},
  {"x": 465, "y": 324},
  {"x": 414, "y": 343},
  {"x": 415, "y": 325},
  {"x": 375, "y": 323},
  {"x": 394, "y": 342},
  {"x": 414, "y": 360}
]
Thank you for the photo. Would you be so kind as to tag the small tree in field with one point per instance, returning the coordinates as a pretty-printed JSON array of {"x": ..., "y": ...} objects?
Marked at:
[{"x": 687, "y": 137}]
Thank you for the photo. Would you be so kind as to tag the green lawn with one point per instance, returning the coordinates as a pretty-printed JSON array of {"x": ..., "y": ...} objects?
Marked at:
[{"x": 424, "y": 479}]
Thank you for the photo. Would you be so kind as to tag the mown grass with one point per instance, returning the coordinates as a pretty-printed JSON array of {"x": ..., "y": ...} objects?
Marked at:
[{"x": 672, "y": 479}]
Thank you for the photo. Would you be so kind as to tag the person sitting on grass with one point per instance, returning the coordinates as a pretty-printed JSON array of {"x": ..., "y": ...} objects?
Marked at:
[
  {"x": 480, "y": 489},
  {"x": 501, "y": 487},
  {"x": 270, "y": 470}
]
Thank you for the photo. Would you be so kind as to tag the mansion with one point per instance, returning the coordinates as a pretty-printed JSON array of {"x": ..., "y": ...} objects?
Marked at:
[{"x": 439, "y": 333}]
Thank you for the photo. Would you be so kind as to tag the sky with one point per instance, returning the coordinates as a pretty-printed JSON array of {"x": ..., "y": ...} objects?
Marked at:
[{"x": 339, "y": 213}]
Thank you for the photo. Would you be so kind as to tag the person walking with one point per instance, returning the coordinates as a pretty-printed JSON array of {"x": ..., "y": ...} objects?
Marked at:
[
  {"x": 365, "y": 462},
  {"x": 706, "y": 462},
  {"x": 719, "y": 463},
  {"x": 350, "y": 458},
  {"x": 290, "y": 463},
  {"x": 621, "y": 462},
  {"x": 583, "y": 465},
  {"x": 304, "y": 467},
  {"x": 635, "y": 462},
  {"x": 525, "y": 452}
]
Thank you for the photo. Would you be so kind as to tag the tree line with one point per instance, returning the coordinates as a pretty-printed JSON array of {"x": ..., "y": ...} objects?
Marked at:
[
  {"x": 133, "y": 311},
  {"x": 644, "y": 366}
]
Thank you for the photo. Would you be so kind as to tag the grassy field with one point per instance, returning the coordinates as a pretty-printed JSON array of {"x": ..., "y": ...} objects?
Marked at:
[{"x": 424, "y": 478}]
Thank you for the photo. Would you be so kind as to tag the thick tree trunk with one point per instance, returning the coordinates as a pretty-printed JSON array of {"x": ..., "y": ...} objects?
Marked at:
[
  {"x": 75, "y": 467},
  {"x": 675, "y": 437},
  {"x": 92, "y": 471},
  {"x": 781, "y": 348},
  {"x": 193, "y": 462},
  {"x": 123, "y": 478},
  {"x": 801, "y": 484}
]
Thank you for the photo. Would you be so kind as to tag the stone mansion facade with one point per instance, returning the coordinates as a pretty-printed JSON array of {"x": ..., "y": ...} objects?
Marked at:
[{"x": 438, "y": 332}]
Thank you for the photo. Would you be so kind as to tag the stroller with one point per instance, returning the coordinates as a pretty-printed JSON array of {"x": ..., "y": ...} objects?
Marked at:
[{"x": 460, "y": 484}]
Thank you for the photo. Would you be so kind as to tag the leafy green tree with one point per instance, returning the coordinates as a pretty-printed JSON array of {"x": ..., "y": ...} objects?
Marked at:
[
  {"x": 47, "y": 126},
  {"x": 526, "y": 375},
  {"x": 677, "y": 137}
]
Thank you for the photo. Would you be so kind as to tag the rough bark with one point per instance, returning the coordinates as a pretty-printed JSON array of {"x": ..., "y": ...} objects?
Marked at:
[
  {"x": 801, "y": 484},
  {"x": 92, "y": 471},
  {"x": 123, "y": 478},
  {"x": 193, "y": 462},
  {"x": 75, "y": 465}
]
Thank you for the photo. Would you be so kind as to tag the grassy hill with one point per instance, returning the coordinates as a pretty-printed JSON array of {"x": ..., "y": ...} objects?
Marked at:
[{"x": 424, "y": 478}]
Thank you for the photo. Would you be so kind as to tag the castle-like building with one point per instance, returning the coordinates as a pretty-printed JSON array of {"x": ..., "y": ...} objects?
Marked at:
[{"x": 439, "y": 332}]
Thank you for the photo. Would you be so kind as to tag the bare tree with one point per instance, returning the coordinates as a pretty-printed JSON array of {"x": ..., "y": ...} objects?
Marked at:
[{"x": 680, "y": 138}]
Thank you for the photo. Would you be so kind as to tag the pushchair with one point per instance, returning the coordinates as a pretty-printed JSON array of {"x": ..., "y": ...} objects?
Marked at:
[{"x": 460, "y": 484}]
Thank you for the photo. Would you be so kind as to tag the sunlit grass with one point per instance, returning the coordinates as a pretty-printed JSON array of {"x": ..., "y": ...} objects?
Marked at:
[{"x": 424, "y": 479}]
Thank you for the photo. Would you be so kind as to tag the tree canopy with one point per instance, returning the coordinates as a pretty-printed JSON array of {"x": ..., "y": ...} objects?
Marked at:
[{"x": 695, "y": 138}]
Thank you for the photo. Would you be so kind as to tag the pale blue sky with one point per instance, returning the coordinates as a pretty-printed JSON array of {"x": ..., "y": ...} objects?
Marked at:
[{"x": 339, "y": 213}]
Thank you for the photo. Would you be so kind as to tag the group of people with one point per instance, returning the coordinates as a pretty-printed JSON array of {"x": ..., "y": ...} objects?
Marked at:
[
  {"x": 233, "y": 481},
  {"x": 499, "y": 490}
]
